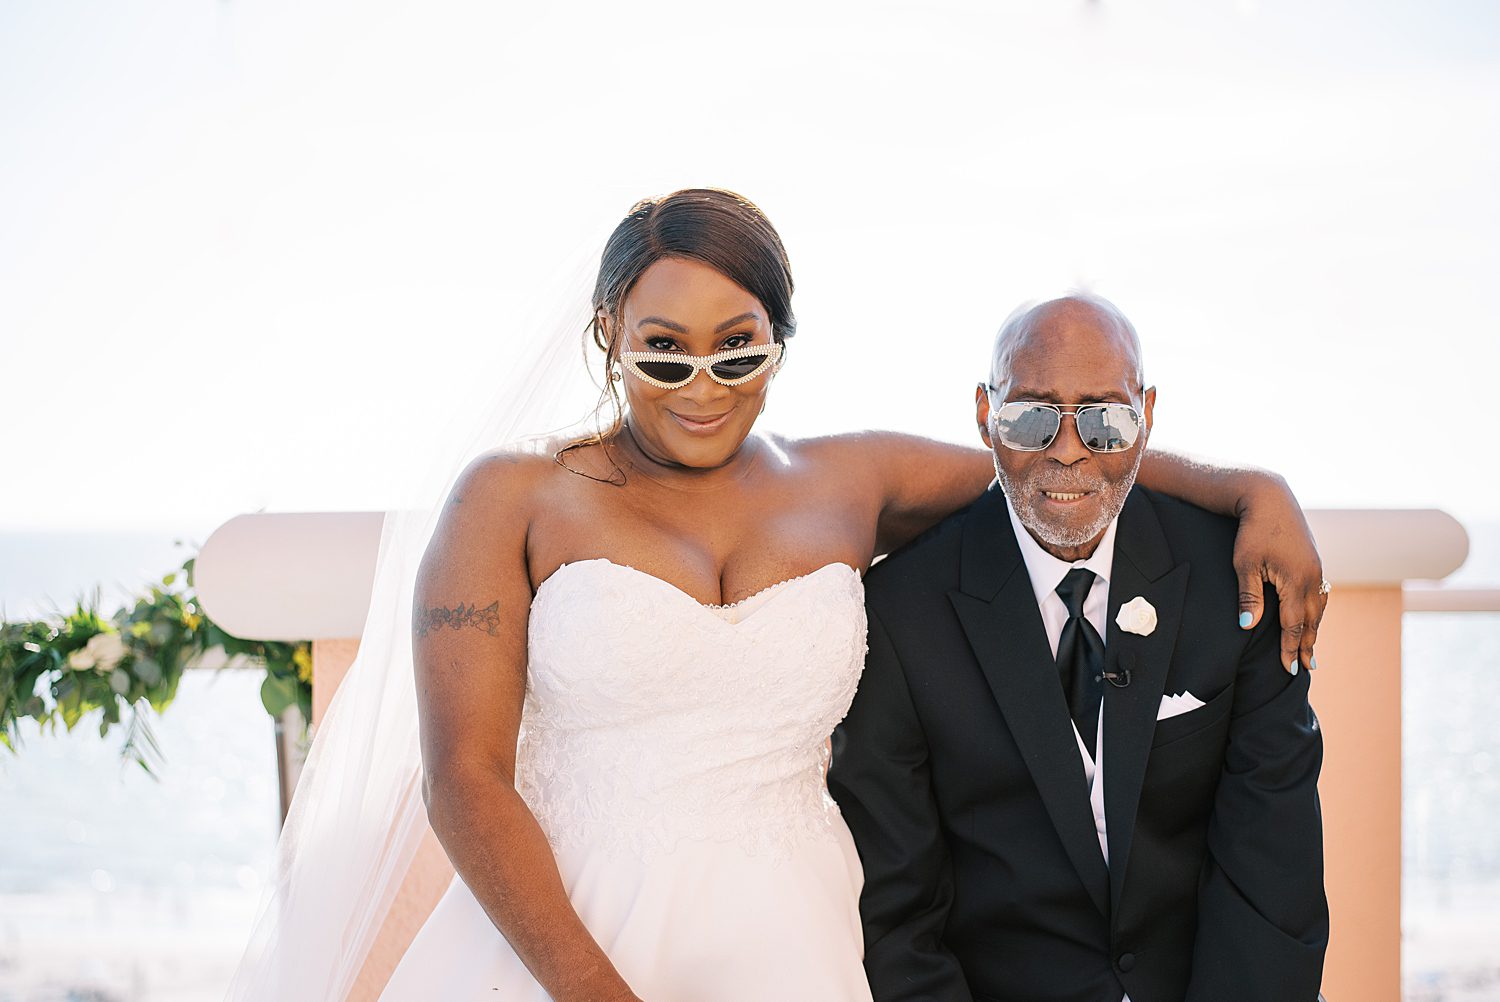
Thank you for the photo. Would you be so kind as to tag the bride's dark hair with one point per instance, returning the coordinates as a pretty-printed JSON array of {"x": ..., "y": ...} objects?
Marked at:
[
  {"x": 723, "y": 230},
  {"x": 719, "y": 228}
]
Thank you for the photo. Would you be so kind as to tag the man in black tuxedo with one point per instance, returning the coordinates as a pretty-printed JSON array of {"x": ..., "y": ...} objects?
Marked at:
[{"x": 1065, "y": 614}]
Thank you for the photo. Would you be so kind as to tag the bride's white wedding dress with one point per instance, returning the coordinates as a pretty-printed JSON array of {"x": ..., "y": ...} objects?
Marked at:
[{"x": 674, "y": 754}]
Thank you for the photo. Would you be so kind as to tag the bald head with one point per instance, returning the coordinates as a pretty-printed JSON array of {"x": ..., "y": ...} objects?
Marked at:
[{"x": 1080, "y": 328}]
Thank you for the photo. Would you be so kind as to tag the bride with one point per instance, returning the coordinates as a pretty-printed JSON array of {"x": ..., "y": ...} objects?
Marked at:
[{"x": 630, "y": 649}]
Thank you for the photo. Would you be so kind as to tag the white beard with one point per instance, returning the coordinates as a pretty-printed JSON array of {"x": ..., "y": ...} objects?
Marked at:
[{"x": 1025, "y": 499}]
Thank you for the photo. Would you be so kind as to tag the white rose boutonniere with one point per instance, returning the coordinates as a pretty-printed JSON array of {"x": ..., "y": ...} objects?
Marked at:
[{"x": 1137, "y": 616}]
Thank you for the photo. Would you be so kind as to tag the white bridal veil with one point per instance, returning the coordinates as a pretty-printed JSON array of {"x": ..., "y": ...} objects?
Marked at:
[{"x": 357, "y": 817}]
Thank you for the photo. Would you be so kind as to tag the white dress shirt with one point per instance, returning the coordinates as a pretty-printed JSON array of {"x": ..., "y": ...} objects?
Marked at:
[{"x": 1046, "y": 573}]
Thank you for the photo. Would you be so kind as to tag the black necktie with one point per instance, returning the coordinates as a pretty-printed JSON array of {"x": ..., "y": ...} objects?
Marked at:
[{"x": 1080, "y": 657}]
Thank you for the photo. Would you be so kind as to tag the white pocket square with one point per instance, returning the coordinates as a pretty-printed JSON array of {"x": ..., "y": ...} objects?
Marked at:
[{"x": 1172, "y": 706}]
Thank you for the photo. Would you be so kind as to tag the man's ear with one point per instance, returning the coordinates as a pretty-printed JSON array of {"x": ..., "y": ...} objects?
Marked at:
[
  {"x": 982, "y": 414},
  {"x": 1150, "y": 405}
]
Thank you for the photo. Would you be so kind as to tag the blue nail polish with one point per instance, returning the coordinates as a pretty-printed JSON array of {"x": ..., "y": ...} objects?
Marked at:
[
  {"x": 1294, "y": 668},
  {"x": 1245, "y": 619},
  {"x": 1312, "y": 663}
]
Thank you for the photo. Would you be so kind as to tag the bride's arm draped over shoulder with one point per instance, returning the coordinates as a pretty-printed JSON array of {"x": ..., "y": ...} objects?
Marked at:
[
  {"x": 921, "y": 481},
  {"x": 472, "y": 600},
  {"x": 1274, "y": 543}
]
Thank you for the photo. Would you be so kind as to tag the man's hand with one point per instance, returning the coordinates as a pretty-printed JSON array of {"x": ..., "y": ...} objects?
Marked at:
[{"x": 1275, "y": 545}]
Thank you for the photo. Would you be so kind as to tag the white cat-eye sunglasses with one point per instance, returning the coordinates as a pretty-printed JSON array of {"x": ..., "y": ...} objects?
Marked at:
[{"x": 669, "y": 370}]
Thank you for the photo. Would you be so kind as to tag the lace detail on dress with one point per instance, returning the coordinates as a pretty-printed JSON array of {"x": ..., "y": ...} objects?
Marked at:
[{"x": 650, "y": 718}]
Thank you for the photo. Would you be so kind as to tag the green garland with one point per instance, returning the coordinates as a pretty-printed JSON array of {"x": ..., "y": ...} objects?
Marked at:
[{"x": 65, "y": 667}]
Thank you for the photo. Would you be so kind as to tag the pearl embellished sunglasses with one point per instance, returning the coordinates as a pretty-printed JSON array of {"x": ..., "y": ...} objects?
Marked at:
[
  {"x": 670, "y": 370},
  {"x": 1031, "y": 425}
]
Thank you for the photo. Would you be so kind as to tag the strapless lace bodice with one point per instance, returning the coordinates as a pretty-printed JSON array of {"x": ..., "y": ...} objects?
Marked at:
[
  {"x": 673, "y": 753},
  {"x": 650, "y": 718}
]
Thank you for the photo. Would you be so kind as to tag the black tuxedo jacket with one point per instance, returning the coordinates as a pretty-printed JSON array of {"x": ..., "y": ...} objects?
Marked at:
[{"x": 959, "y": 775}]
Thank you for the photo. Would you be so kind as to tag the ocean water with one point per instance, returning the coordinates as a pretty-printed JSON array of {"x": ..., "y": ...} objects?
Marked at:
[
  {"x": 43, "y": 572},
  {"x": 116, "y": 887},
  {"x": 1451, "y": 807}
]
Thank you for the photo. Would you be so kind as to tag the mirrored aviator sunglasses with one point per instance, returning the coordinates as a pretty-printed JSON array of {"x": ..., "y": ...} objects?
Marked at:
[
  {"x": 669, "y": 370},
  {"x": 1030, "y": 426}
]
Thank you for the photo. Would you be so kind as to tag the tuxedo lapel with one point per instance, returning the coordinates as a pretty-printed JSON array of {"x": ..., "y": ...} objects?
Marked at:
[
  {"x": 1143, "y": 567},
  {"x": 997, "y": 607}
]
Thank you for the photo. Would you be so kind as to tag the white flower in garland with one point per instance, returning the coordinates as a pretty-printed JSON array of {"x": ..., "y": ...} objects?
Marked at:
[
  {"x": 105, "y": 651},
  {"x": 81, "y": 659}
]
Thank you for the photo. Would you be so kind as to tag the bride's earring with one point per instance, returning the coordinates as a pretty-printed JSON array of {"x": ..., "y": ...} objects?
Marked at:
[{"x": 614, "y": 374}]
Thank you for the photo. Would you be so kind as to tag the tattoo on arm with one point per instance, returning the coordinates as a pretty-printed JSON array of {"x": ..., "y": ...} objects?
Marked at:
[{"x": 456, "y": 618}]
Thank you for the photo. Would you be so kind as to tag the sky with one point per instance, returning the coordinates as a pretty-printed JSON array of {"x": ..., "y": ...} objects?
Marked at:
[{"x": 253, "y": 256}]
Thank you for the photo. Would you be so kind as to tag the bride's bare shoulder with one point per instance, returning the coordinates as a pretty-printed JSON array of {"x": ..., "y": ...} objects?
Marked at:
[
  {"x": 527, "y": 474},
  {"x": 499, "y": 479},
  {"x": 906, "y": 473}
]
